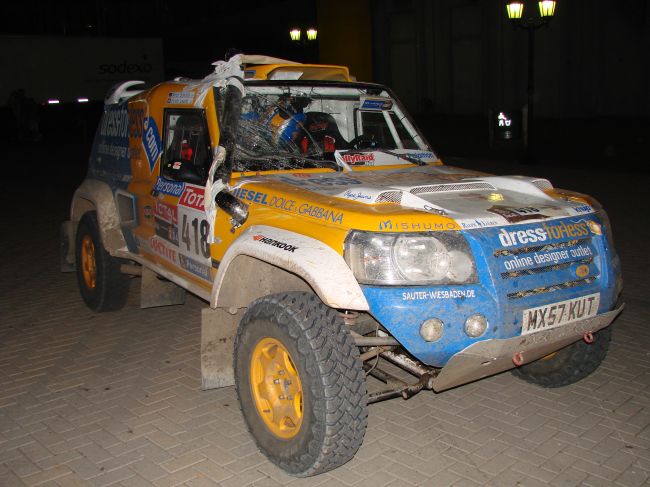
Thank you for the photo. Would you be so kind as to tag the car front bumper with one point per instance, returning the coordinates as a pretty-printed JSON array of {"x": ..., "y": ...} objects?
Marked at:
[{"x": 490, "y": 357}]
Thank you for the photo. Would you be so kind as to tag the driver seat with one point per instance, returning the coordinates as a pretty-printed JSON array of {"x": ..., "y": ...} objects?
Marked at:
[{"x": 321, "y": 125}]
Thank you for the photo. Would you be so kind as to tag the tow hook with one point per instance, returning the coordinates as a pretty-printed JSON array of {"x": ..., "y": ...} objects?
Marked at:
[
  {"x": 588, "y": 337},
  {"x": 518, "y": 358}
]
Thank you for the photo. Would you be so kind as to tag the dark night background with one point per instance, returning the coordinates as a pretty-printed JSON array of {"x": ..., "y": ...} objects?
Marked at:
[{"x": 452, "y": 62}]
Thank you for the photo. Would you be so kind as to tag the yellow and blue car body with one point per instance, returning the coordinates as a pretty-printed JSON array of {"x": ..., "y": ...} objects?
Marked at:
[{"x": 346, "y": 198}]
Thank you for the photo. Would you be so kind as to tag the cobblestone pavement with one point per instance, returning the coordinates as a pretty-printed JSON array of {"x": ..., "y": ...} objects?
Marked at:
[{"x": 114, "y": 399}]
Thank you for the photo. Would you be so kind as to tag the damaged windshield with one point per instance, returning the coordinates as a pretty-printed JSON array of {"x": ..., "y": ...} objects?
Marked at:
[{"x": 296, "y": 127}]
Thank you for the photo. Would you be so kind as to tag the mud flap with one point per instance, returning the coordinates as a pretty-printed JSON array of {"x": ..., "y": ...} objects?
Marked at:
[
  {"x": 66, "y": 246},
  {"x": 159, "y": 292},
  {"x": 218, "y": 328}
]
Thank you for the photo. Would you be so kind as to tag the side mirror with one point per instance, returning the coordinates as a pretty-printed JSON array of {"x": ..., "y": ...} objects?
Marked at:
[{"x": 237, "y": 209}]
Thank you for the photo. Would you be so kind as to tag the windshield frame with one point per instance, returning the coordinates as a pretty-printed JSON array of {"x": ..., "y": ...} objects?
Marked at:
[{"x": 361, "y": 90}]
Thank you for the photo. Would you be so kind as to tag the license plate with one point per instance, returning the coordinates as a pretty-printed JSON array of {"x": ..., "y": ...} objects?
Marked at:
[{"x": 558, "y": 314}]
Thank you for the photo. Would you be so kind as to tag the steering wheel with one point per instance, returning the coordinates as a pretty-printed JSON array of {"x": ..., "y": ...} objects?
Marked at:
[{"x": 363, "y": 141}]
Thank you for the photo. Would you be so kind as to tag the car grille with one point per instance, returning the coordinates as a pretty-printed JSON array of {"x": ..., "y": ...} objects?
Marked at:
[{"x": 574, "y": 271}]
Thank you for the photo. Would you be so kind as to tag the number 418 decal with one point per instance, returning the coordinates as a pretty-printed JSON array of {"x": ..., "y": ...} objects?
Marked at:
[{"x": 194, "y": 236}]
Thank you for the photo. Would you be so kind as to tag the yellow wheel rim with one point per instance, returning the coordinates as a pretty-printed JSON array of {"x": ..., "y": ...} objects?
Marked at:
[
  {"x": 276, "y": 387},
  {"x": 88, "y": 262}
]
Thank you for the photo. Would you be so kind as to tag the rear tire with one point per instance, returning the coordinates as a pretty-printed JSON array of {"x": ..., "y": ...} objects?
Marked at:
[
  {"x": 300, "y": 384},
  {"x": 568, "y": 365},
  {"x": 101, "y": 284}
]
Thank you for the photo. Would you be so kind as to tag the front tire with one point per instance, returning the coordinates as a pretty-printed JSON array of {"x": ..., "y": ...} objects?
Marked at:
[
  {"x": 568, "y": 365},
  {"x": 300, "y": 384},
  {"x": 101, "y": 284}
]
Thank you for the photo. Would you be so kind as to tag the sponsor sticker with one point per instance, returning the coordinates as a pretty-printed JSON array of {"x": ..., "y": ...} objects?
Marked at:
[
  {"x": 180, "y": 98},
  {"x": 438, "y": 294},
  {"x": 376, "y": 104},
  {"x": 356, "y": 195},
  {"x": 166, "y": 212},
  {"x": 360, "y": 159},
  {"x": 167, "y": 230},
  {"x": 171, "y": 188},
  {"x": 516, "y": 215},
  {"x": 424, "y": 226},
  {"x": 162, "y": 249},
  {"x": 275, "y": 243},
  {"x": 196, "y": 268},
  {"x": 544, "y": 233},
  {"x": 192, "y": 197},
  {"x": 151, "y": 141},
  {"x": 553, "y": 257}
]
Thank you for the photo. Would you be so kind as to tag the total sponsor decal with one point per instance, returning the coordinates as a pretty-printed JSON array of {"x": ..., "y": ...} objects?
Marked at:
[
  {"x": 180, "y": 98},
  {"x": 192, "y": 197},
  {"x": 151, "y": 141},
  {"x": 438, "y": 294},
  {"x": 360, "y": 159},
  {"x": 194, "y": 267},
  {"x": 543, "y": 233},
  {"x": 424, "y": 226},
  {"x": 275, "y": 243},
  {"x": 547, "y": 258},
  {"x": 289, "y": 205},
  {"x": 163, "y": 250},
  {"x": 165, "y": 186}
]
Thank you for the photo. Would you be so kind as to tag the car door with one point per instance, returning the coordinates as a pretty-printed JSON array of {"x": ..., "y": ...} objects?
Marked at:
[{"x": 181, "y": 232}]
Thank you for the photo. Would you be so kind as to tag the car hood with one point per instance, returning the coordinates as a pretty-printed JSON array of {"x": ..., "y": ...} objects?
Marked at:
[{"x": 472, "y": 199}]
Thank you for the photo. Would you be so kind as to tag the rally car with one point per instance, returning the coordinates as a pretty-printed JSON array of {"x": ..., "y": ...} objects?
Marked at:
[{"x": 331, "y": 242}]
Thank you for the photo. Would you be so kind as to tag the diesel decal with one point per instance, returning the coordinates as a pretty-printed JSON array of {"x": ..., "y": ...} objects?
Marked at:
[{"x": 275, "y": 243}]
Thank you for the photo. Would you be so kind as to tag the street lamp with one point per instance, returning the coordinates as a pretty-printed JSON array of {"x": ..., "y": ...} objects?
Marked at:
[
  {"x": 515, "y": 10},
  {"x": 296, "y": 35},
  {"x": 304, "y": 38}
]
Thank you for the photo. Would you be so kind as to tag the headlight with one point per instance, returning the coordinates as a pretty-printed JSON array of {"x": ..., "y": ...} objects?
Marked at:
[{"x": 410, "y": 258}]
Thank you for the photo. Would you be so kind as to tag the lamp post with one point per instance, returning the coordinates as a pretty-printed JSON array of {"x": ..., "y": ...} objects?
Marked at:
[
  {"x": 303, "y": 38},
  {"x": 515, "y": 10}
]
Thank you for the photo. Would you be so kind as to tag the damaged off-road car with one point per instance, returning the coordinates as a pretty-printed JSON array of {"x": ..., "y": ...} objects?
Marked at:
[{"x": 330, "y": 243}]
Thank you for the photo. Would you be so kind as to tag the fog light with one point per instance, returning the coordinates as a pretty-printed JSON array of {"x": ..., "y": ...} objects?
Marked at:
[
  {"x": 431, "y": 330},
  {"x": 475, "y": 326}
]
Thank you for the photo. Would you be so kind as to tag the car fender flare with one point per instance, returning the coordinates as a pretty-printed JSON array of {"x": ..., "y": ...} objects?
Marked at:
[
  {"x": 317, "y": 264},
  {"x": 95, "y": 195}
]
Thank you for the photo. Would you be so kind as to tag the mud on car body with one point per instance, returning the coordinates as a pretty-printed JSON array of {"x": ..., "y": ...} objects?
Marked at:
[{"x": 331, "y": 243}]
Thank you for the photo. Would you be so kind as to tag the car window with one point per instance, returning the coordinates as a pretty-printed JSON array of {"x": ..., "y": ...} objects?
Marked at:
[{"x": 186, "y": 147}]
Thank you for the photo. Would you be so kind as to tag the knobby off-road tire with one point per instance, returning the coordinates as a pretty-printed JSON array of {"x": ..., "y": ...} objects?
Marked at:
[
  {"x": 317, "y": 421},
  {"x": 569, "y": 365},
  {"x": 101, "y": 284}
]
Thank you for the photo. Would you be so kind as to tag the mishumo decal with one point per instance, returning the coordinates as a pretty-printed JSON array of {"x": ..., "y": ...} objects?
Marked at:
[
  {"x": 275, "y": 243},
  {"x": 543, "y": 233}
]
